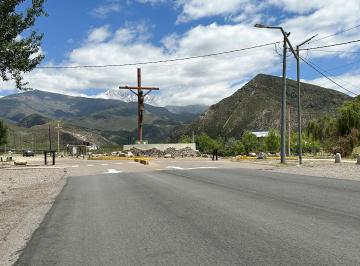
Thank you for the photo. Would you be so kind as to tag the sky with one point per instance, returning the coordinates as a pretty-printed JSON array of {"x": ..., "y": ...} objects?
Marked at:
[{"x": 102, "y": 32}]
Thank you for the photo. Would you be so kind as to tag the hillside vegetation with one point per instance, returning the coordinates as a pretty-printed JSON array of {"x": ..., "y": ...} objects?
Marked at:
[{"x": 256, "y": 107}]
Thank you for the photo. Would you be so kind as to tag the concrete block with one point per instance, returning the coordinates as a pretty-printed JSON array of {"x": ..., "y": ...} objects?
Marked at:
[{"x": 338, "y": 158}]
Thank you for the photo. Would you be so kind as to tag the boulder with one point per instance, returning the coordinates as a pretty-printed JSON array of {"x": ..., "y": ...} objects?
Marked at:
[{"x": 262, "y": 155}]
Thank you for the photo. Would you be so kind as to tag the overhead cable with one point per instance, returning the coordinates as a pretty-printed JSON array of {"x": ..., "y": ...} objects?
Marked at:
[{"x": 158, "y": 61}]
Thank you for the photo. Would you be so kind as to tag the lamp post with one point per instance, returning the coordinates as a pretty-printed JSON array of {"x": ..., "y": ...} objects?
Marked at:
[
  {"x": 299, "y": 96},
  {"x": 283, "y": 97}
]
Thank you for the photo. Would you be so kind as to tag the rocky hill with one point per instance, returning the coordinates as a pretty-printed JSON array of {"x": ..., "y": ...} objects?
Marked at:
[{"x": 256, "y": 106}]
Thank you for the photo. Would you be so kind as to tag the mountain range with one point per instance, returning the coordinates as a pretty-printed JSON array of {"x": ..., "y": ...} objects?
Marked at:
[{"x": 107, "y": 122}]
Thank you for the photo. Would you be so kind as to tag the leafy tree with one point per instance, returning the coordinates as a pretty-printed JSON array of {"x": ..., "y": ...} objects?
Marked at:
[
  {"x": 322, "y": 128},
  {"x": 238, "y": 148},
  {"x": 3, "y": 133},
  {"x": 19, "y": 44},
  {"x": 233, "y": 147},
  {"x": 185, "y": 139},
  {"x": 205, "y": 143},
  {"x": 272, "y": 141},
  {"x": 349, "y": 117},
  {"x": 250, "y": 142}
]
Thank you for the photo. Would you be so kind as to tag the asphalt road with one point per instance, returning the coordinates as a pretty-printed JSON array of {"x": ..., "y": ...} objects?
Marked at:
[{"x": 200, "y": 217}]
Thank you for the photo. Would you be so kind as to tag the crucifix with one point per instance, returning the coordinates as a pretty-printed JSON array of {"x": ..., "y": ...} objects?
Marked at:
[{"x": 141, "y": 96}]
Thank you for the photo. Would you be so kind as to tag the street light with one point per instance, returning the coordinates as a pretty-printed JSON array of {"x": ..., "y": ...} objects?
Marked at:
[{"x": 283, "y": 98}]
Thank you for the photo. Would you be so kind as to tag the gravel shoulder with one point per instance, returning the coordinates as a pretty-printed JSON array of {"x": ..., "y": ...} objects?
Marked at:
[
  {"x": 26, "y": 195},
  {"x": 345, "y": 170}
]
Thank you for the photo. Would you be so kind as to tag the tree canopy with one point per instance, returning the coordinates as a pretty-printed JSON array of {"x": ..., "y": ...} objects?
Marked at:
[
  {"x": 3, "y": 133},
  {"x": 19, "y": 42}
]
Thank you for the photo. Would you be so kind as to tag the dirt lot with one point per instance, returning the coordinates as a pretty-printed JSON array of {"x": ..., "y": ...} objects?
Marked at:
[{"x": 26, "y": 195}]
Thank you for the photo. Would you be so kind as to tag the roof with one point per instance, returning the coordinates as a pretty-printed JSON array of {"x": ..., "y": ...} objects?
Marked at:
[{"x": 260, "y": 134}]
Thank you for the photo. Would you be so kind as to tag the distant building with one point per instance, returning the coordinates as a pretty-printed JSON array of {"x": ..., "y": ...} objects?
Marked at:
[{"x": 260, "y": 134}]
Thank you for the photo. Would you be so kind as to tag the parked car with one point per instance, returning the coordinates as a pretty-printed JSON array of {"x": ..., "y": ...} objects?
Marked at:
[{"x": 28, "y": 153}]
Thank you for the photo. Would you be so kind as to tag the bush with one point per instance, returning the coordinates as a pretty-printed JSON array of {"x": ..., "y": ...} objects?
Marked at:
[
  {"x": 250, "y": 142},
  {"x": 272, "y": 141},
  {"x": 185, "y": 139}
]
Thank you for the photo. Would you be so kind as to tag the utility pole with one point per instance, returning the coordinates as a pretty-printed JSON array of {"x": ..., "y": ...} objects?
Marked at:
[
  {"x": 49, "y": 139},
  {"x": 283, "y": 108},
  {"x": 289, "y": 133},
  {"x": 299, "y": 97},
  {"x": 58, "y": 136},
  {"x": 141, "y": 97},
  {"x": 283, "y": 98}
]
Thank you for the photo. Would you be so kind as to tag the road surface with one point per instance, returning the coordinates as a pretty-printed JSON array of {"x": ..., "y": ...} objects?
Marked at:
[{"x": 199, "y": 216}]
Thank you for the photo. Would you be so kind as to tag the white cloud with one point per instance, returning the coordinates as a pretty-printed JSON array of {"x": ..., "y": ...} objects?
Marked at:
[
  {"x": 206, "y": 80},
  {"x": 106, "y": 9},
  {"x": 98, "y": 35},
  {"x": 196, "y": 9}
]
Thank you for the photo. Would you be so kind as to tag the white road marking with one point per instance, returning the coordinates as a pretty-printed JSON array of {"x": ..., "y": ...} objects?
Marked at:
[
  {"x": 104, "y": 164},
  {"x": 112, "y": 171},
  {"x": 74, "y": 166},
  {"x": 90, "y": 165},
  {"x": 118, "y": 163},
  {"x": 191, "y": 168},
  {"x": 132, "y": 162},
  {"x": 175, "y": 167}
]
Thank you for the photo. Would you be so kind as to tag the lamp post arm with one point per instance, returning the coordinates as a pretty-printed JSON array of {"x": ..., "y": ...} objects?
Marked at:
[{"x": 289, "y": 43}]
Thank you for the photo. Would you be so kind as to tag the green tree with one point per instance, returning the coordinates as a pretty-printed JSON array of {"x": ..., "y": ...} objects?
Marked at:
[
  {"x": 233, "y": 147},
  {"x": 19, "y": 43},
  {"x": 185, "y": 139},
  {"x": 250, "y": 142},
  {"x": 349, "y": 117},
  {"x": 205, "y": 143},
  {"x": 3, "y": 133},
  {"x": 322, "y": 129},
  {"x": 272, "y": 141}
]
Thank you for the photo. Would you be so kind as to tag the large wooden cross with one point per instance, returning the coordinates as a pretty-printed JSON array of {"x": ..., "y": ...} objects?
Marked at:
[{"x": 141, "y": 96}]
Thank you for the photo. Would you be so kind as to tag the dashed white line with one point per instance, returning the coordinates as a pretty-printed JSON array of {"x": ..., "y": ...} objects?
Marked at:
[
  {"x": 112, "y": 171},
  {"x": 104, "y": 164},
  {"x": 90, "y": 165},
  {"x": 74, "y": 166}
]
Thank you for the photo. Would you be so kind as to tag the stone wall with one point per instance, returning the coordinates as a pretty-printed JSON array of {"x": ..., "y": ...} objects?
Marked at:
[{"x": 161, "y": 147}]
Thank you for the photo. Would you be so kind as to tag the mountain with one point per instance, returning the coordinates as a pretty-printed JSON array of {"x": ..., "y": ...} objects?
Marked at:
[
  {"x": 33, "y": 120},
  {"x": 37, "y": 136},
  {"x": 191, "y": 109},
  {"x": 256, "y": 107},
  {"x": 114, "y": 120}
]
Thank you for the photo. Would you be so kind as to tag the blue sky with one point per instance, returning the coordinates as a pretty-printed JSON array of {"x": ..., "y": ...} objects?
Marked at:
[{"x": 96, "y": 32}]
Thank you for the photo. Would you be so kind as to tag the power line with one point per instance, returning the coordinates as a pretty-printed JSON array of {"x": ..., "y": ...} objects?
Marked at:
[
  {"x": 330, "y": 45},
  {"x": 340, "y": 52},
  {"x": 325, "y": 76},
  {"x": 333, "y": 75},
  {"x": 336, "y": 33},
  {"x": 158, "y": 61}
]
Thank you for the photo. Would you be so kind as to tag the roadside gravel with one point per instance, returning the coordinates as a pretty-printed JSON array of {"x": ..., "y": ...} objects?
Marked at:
[
  {"x": 345, "y": 170},
  {"x": 26, "y": 195}
]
